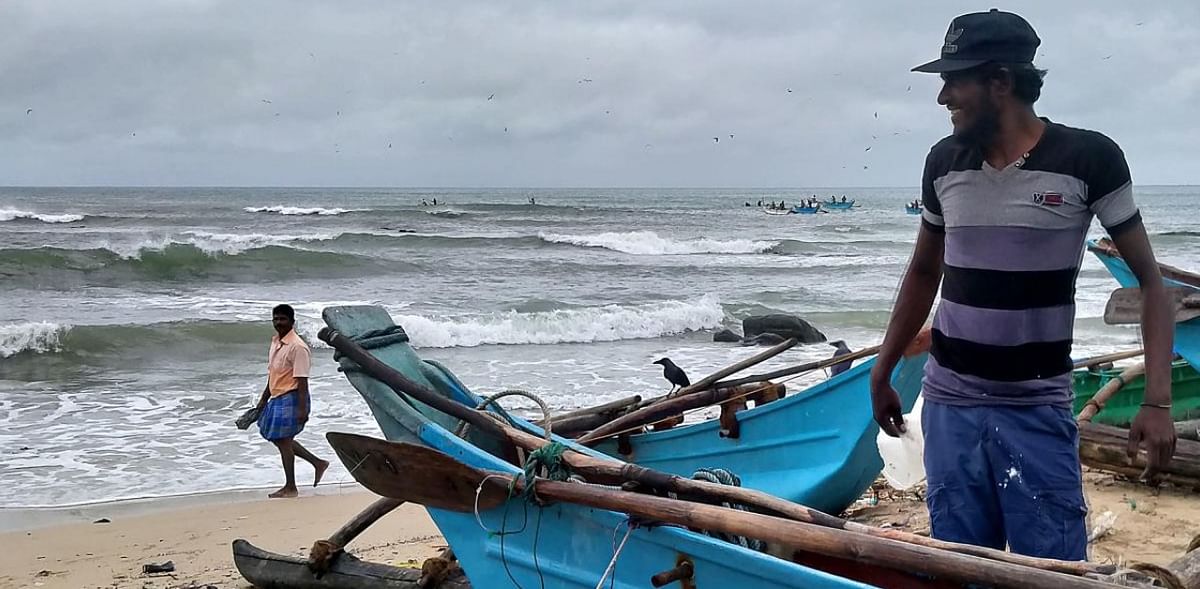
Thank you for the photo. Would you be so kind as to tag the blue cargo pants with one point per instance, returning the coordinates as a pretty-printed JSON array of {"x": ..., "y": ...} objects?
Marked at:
[{"x": 1004, "y": 474}]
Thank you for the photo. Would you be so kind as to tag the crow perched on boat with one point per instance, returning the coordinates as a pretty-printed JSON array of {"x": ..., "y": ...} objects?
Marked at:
[
  {"x": 673, "y": 373},
  {"x": 842, "y": 350}
]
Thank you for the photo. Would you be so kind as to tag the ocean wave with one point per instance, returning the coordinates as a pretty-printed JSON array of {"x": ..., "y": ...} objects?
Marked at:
[
  {"x": 48, "y": 267},
  {"x": 649, "y": 243},
  {"x": 286, "y": 210},
  {"x": 569, "y": 325},
  {"x": 580, "y": 325},
  {"x": 449, "y": 213},
  {"x": 37, "y": 337},
  {"x": 16, "y": 215}
]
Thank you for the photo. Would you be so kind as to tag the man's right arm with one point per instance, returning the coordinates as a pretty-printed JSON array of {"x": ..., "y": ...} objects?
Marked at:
[
  {"x": 262, "y": 400},
  {"x": 917, "y": 291}
]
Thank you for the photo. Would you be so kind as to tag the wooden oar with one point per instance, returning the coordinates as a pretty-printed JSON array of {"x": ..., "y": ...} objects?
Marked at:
[
  {"x": 389, "y": 468},
  {"x": 782, "y": 372},
  {"x": 666, "y": 408},
  {"x": 1106, "y": 358},
  {"x": 611, "y": 471},
  {"x": 758, "y": 358},
  {"x": 1125, "y": 305},
  {"x": 1106, "y": 392},
  {"x": 704, "y": 398}
]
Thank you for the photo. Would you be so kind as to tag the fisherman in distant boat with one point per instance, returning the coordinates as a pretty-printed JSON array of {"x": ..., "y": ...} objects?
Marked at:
[
  {"x": 843, "y": 198},
  {"x": 284, "y": 405},
  {"x": 531, "y": 201}
]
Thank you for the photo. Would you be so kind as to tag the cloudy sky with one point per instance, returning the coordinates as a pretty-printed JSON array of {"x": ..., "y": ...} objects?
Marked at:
[{"x": 505, "y": 93}]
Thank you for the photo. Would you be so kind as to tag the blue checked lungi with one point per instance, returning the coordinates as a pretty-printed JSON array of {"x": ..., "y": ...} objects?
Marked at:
[{"x": 278, "y": 420}]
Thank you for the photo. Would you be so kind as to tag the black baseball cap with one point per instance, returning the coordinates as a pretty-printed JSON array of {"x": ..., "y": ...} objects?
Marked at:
[{"x": 981, "y": 37}]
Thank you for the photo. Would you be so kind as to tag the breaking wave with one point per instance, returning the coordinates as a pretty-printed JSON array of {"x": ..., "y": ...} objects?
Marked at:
[
  {"x": 286, "y": 210},
  {"x": 17, "y": 215},
  {"x": 649, "y": 243},
  {"x": 579, "y": 325}
]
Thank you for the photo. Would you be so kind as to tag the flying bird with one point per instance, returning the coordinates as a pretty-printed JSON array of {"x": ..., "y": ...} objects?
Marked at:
[
  {"x": 506, "y": 129},
  {"x": 877, "y": 114},
  {"x": 731, "y": 135},
  {"x": 29, "y": 111},
  {"x": 716, "y": 139},
  {"x": 789, "y": 90},
  {"x": 909, "y": 89},
  {"x": 674, "y": 374},
  {"x": 1106, "y": 58},
  {"x": 491, "y": 97},
  {"x": 868, "y": 148},
  {"x": 389, "y": 146},
  {"x": 264, "y": 101}
]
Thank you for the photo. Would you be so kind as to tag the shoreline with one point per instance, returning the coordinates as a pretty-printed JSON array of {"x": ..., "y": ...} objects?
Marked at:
[{"x": 34, "y": 517}]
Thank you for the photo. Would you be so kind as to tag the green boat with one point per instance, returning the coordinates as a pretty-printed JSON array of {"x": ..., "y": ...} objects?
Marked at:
[{"x": 1120, "y": 410}]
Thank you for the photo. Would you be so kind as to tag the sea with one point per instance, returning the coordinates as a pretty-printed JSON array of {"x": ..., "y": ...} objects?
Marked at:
[{"x": 134, "y": 322}]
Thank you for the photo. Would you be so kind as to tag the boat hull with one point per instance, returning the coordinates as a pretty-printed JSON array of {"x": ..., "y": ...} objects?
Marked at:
[
  {"x": 1124, "y": 405},
  {"x": 1187, "y": 334}
]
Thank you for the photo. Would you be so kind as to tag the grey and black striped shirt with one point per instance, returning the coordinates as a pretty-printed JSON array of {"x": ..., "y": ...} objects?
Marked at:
[{"x": 1014, "y": 241}]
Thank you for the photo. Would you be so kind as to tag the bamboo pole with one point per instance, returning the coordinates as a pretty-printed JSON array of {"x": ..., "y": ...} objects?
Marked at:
[{"x": 1106, "y": 392}]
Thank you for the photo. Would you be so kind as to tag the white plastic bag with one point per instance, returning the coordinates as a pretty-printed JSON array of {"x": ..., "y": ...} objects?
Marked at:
[{"x": 904, "y": 457}]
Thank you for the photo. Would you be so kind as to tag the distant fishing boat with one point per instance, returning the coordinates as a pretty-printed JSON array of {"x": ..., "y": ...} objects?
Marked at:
[
  {"x": 838, "y": 206},
  {"x": 912, "y": 210},
  {"x": 799, "y": 210}
]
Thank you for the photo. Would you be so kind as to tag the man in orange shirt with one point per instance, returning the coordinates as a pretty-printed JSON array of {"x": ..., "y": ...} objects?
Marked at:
[{"x": 285, "y": 402}]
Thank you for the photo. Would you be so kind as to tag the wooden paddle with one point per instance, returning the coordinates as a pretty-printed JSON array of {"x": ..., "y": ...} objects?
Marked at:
[
  {"x": 1125, "y": 305},
  {"x": 612, "y": 471},
  {"x": 1106, "y": 392},
  {"x": 410, "y": 472},
  {"x": 722, "y": 390}
]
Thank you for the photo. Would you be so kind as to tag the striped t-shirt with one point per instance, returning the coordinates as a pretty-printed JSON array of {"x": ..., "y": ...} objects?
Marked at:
[{"x": 1013, "y": 244}]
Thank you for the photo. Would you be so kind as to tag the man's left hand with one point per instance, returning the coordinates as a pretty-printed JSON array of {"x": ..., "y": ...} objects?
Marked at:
[{"x": 1153, "y": 431}]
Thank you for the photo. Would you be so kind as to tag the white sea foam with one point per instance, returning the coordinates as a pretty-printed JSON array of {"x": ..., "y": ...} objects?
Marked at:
[
  {"x": 232, "y": 243},
  {"x": 8, "y": 214},
  {"x": 596, "y": 324},
  {"x": 40, "y": 336},
  {"x": 649, "y": 243},
  {"x": 286, "y": 210}
]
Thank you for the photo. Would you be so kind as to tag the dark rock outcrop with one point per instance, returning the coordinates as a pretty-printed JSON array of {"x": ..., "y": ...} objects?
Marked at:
[
  {"x": 726, "y": 336},
  {"x": 786, "y": 326}
]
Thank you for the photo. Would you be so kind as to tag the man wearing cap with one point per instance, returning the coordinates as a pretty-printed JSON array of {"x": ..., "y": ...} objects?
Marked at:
[{"x": 1008, "y": 199}]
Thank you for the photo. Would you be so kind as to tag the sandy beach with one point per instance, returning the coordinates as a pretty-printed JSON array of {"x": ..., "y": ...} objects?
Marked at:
[
  {"x": 197, "y": 539},
  {"x": 1151, "y": 526}
]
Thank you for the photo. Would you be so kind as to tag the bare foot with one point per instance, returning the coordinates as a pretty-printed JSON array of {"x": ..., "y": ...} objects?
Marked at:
[
  {"x": 321, "y": 467},
  {"x": 284, "y": 493}
]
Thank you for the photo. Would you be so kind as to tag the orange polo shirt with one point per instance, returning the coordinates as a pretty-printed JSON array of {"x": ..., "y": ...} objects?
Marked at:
[{"x": 287, "y": 360}]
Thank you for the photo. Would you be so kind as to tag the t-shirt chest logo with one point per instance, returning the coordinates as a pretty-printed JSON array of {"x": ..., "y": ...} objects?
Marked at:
[{"x": 1048, "y": 199}]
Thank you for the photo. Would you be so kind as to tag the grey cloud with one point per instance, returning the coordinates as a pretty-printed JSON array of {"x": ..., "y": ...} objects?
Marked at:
[{"x": 348, "y": 79}]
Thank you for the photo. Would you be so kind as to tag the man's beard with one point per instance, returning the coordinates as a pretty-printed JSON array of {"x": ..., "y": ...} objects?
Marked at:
[{"x": 983, "y": 131}]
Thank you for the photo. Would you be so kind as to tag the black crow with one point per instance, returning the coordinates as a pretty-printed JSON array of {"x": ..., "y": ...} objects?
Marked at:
[
  {"x": 673, "y": 373},
  {"x": 842, "y": 350}
]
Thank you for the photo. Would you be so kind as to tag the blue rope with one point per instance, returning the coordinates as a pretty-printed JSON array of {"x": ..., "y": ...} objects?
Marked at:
[{"x": 726, "y": 477}]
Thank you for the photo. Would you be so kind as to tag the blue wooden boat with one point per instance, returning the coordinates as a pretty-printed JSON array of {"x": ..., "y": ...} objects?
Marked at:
[
  {"x": 838, "y": 205},
  {"x": 799, "y": 210},
  {"x": 820, "y": 433},
  {"x": 815, "y": 447},
  {"x": 1187, "y": 334},
  {"x": 912, "y": 210}
]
